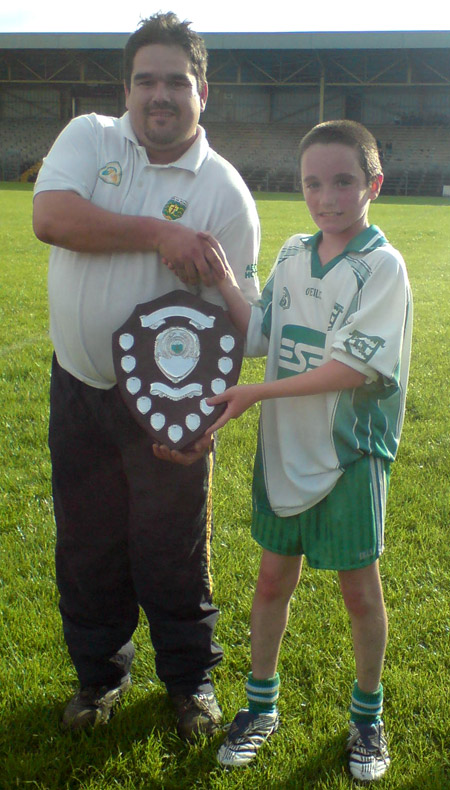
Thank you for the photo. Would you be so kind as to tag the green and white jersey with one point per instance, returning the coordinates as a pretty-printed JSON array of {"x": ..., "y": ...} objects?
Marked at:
[{"x": 358, "y": 310}]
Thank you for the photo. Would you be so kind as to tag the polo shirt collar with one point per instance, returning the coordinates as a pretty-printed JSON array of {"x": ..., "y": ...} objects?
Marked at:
[{"x": 191, "y": 160}]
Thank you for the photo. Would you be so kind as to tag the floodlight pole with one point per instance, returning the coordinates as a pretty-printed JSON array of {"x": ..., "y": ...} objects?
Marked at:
[{"x": 322, "y": 97}]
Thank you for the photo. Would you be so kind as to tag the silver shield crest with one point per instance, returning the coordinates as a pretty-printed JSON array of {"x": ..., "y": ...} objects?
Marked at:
[{"x": 177, "y": 351}]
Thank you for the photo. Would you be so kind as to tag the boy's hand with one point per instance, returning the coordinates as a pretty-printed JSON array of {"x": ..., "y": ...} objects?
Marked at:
[
  {"x": 220, "y": 269},
  {"x": 208, "y": 267},
  {"x": 221, "y": 275},
  {"x": 238, "y": 400}
]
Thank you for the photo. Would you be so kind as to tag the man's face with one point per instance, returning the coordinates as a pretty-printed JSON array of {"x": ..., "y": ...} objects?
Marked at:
[{"x": 163, "y": 101}]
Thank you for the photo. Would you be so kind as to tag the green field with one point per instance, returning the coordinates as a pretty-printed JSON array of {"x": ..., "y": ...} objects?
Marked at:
[{"x": 138, "y": 750}]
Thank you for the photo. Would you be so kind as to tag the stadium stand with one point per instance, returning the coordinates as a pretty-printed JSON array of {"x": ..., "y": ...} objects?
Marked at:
[
  {"x": 266, "y": 91},
  {"x": 416, "y": 160}
]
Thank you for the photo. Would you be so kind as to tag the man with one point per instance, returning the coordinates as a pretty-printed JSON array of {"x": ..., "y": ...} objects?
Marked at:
[{"x": 117, "y": 198}]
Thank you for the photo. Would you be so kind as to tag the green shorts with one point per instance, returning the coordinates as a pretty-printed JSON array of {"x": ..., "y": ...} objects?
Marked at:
[{"x": 344, "y": 531}]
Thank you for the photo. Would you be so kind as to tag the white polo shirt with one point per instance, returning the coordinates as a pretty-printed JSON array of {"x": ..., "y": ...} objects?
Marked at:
[{"x": 91, "y": 295}]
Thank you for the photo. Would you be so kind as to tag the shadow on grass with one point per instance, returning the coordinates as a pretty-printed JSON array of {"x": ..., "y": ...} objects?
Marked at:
[
  {"x": 321, "y": 768},
  {"x": 139, "y": 747},
  {"x": 328, "y": 769},
  {"x": 15, "y": 186},
  {"x": 432, "y": 778},
  {"x": 139, "y": 750}
]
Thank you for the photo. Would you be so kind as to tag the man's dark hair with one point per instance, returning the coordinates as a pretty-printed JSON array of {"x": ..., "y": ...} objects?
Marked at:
[
  {"x": 348, "y": 133},
  {"x": 167, "y": 29}
]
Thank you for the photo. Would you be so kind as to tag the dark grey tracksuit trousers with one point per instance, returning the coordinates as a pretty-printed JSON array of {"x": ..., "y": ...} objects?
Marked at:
[{"x": 131, "y": 530}]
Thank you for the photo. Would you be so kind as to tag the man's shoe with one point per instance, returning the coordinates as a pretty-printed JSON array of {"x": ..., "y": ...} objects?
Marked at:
[
  {"x": 198, "y": 714},
  {"x": 369, "y": 757},
  {"x": 93, "y": 705},
  {"x": 246, "y": 735}
]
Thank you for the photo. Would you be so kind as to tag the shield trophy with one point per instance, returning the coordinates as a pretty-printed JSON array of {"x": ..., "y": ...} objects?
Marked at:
[{"x": 170, "y": 356}]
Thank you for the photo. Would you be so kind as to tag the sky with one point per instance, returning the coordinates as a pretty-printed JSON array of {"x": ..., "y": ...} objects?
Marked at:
[{"x": 85, "y": 16}]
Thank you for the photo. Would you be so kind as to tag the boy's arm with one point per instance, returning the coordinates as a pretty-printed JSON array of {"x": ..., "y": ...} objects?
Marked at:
[
  {"x": 330, "y": 377},
  {"x": 238, "y": 307},
  {"x": 222, "y": 273}
]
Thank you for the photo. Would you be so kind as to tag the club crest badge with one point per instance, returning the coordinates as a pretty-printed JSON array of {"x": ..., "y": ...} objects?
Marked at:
[
  {"x": 174, "y": 208},
  {"x": 111, "y": 173},
  {"x": 285, "y": 301},
  {"x": 170, "y": 356}
]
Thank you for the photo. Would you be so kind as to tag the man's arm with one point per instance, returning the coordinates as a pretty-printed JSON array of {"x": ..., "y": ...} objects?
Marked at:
[{"x": 65, "y": 219}]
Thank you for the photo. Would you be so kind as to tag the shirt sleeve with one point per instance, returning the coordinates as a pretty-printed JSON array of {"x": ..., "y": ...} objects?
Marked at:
[
  {"x": 236, "y": 227},
  {"x": 372, "y": 337},
  {"x": 241, "y": 240},
  {"x": 71, "y": 163}
]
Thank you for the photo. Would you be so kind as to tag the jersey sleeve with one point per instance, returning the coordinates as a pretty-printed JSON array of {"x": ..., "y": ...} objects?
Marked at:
[
  {"x": 375, "y": 334},
  {"x": 260, "y": 324},
  {"x": 257, "y": 344},
  {"x": 71, "y": 163}
]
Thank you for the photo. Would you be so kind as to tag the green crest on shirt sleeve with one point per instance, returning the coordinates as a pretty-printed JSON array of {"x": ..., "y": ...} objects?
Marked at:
[{"x": 363, "y": 346}]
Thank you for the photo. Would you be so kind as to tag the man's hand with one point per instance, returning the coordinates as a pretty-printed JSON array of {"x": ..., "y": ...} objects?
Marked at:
[
  {"x": 193, "y": 256},
  {"x": 184, "y": 457}
]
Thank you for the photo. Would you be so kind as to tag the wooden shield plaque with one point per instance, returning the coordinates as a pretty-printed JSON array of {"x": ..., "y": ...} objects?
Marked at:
[{"x": 170, "y": 356}]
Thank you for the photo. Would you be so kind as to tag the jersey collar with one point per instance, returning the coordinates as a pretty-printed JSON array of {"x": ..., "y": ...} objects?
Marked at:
[
  {"x": 369, "y": 239},
  {"x": 192, "y": 159}
]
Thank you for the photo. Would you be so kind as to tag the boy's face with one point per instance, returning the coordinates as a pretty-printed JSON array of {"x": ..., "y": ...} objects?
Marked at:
[{"x": 336, "y": 190}]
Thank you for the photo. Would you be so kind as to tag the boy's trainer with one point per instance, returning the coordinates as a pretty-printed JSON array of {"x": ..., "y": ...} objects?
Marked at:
[
  {"x": 93, "y": 705},
  {"x": 248, "y": 731},
  {"x": 369, "y": 757}
]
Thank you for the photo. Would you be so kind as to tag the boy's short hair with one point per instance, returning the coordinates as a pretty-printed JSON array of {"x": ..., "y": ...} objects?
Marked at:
[
  {"x": 167, "y": 29},
  {"x": 348, "y": 133}
]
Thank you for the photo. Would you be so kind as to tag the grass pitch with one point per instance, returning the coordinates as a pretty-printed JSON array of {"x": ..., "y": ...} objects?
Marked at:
[{"x": 138, "y": 750}]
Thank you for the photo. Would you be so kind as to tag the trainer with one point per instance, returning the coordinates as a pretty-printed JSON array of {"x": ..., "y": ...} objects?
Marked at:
[{"x": 115, "y": 198}]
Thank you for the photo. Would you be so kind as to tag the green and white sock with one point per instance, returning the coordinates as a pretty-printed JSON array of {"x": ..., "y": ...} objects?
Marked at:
[
  {"x": 366, "y": 708},
  {"x": 262, "y": 695}
]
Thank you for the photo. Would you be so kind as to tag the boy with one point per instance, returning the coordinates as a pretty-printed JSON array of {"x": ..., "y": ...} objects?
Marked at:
[{"x": 335, "y": 322}]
